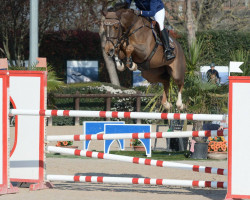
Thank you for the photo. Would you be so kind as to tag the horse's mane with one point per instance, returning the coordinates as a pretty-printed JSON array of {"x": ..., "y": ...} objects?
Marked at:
[{"x": 118, "y": 6}]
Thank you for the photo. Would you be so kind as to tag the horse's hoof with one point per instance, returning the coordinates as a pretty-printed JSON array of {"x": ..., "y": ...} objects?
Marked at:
[
  {"x": 133, "y": 67},
  {"x": 167, "y": 105},
  {"x": 179, "y": 104},
  {"x": 181, "y": 107},
  {"x": 120, "y": 66}
]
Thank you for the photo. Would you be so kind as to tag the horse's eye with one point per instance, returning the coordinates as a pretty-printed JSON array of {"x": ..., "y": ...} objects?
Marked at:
[{"x": 116, "y": 27}]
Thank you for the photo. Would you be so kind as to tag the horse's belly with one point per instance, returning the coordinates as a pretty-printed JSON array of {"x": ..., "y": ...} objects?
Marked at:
[
  {"x": 155, "y": 75},
  {"x": 158, "y": 60}
]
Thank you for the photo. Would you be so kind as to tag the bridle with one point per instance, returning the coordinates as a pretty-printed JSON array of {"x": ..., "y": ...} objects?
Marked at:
[
  {"x": 108, "y": 23},
  {"x": 122, "y": 36}
]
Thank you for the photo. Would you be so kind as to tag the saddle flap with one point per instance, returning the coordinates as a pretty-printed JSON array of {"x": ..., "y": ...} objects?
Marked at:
[
  {"x": 155, "y": 26},
  {"x": 155, "y": 30}
]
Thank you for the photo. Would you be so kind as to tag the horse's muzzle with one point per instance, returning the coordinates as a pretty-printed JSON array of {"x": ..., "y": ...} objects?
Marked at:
[
  {"x": 109, "y": 49},
  {"x": 111, "y": 52}
]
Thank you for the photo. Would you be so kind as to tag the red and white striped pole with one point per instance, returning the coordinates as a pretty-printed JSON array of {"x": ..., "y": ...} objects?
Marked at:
[
  {"x": 110, "y": 114},
  {"x": 143, "y": 161},
  {"x": 179, "y": 134},
  {"x": 140, "y": 181}
]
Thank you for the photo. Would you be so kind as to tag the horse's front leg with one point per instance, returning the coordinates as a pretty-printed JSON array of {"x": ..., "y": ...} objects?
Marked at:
[
  {"x": 129, "y": 62},
  {"x": 119, "y": 64},
  {"x": 167, "y": 105},
  {"x": 119, "y": 56}
]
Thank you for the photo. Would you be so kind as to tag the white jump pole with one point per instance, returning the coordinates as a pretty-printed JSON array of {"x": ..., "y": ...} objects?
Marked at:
[
  {"x": 140, "y": 181},
  {"x": 110, "y": 114},
  {"x": 143, "y": 161},
  {"x": 177, "y": 134}
]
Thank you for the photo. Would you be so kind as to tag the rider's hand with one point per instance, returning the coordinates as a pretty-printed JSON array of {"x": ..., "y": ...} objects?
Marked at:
[{"x": 137, "y": 12}]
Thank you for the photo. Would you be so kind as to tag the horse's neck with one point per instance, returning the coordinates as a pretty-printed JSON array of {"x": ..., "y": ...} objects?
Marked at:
[
  {"x": 128, "y": 19},
  {"x": 143, "y": 39},
  {"x": 139, "y": 34}
]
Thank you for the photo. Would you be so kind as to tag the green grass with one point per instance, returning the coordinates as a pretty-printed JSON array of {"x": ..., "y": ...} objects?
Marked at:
[{"x": 156, "y": 155}]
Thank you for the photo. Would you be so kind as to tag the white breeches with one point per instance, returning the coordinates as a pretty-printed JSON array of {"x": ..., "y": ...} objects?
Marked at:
[{"x": 160, "y": 17}]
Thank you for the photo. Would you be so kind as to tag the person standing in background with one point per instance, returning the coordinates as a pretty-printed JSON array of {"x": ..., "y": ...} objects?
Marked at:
[{"x": 213, "y": 75}]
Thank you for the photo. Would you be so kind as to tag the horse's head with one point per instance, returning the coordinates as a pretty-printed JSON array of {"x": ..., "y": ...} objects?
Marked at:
[
  {"x": 113, "y": 31},
  {"x": 213, "y": 78},
  {"x": 115, "y": 25}
]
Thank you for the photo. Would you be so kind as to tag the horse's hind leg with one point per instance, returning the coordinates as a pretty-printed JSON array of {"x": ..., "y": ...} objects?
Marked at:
[
  {"x": 179, "y": 103},
  {"x": 167, "y": 105}
]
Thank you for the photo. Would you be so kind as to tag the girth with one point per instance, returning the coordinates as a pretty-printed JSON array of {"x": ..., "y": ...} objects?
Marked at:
[{"x": 145, "y": 65}]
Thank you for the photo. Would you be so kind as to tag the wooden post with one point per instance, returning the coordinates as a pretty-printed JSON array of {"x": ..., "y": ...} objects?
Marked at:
[
  {"x": 108, "y": 100},
  {"x": 108, "y": 104},
  {"x": 185, "y": 125},
  {"x": 50, "y": 121},
  {"x": 77, "y": 107},
  {"x": 138, "y": 108}
]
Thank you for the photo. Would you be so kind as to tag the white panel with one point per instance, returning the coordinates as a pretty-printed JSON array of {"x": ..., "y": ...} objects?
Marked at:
[
  {"x": 1, "y": 131},
  {"x": 24, "y": 163},
  {"x": 241, "y": 139}
]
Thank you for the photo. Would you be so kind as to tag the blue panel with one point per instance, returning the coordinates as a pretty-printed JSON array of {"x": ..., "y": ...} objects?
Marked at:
[
  {"x": 95, "y": 127},
  {"x": 130, "y": 128}
]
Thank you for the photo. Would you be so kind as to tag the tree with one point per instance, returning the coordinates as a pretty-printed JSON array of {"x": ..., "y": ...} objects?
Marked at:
[
  {"x": 109, "y": 62},
  {"x": 13, "y": 29},
  {"x": 14, "y": 26},
  {"x": 191, "y": 24},
  {"x": 53, "y": 15},
  {"x": 195, "y": 15},
  {"x": 84, "y": 14}
]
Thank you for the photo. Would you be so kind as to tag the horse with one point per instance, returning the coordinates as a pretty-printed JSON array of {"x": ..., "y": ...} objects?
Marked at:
[
  {"x": 213, "y": 79},
  {"x": 131, "y": 39}
]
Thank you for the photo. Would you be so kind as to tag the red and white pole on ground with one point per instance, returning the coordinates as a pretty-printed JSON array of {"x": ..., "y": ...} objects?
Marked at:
[
  {"x": 179, "y": 134},
  {"x": 110, "y": 114},
  {"x": 143, "y": 161},
  {"x": 140, "y": 181}
]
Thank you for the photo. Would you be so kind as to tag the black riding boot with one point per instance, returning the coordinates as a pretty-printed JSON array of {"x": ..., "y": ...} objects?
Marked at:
[{"x": 169, "y": 54}]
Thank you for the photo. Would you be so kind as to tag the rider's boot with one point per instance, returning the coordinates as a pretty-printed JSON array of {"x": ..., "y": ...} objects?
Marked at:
[{"x": 168, "y": 51}]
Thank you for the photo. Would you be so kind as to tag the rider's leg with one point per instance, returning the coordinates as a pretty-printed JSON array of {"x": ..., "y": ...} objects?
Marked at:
[
  {"x": 165, "y": 39},
  {"x": 160, "y": 17}
]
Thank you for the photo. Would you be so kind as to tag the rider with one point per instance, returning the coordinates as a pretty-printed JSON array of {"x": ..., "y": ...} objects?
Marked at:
[{"x": 155, "y": 8}]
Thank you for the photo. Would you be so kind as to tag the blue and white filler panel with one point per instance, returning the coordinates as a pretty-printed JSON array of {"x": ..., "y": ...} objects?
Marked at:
[
  {"x": 97, "y": 127},
  {"x": 115, "y": 127},
  {"x": 128, "y": 128}
]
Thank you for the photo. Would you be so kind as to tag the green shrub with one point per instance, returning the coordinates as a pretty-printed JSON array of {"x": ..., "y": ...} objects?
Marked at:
[{"x": 218, "y": 45}]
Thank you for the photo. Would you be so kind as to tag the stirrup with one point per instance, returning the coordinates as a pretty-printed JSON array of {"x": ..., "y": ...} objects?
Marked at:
[
  {"x": 169, "y": 55},
  {"x": 171, "y": 48}
]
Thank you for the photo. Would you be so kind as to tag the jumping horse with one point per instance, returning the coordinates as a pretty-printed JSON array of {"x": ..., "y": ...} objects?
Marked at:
[{"x": 133, "y": 39}]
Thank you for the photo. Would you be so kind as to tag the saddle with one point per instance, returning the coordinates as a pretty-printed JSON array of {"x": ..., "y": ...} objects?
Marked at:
[{"x": 157, "y": 32}]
